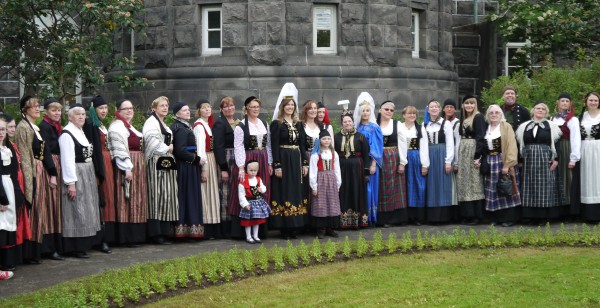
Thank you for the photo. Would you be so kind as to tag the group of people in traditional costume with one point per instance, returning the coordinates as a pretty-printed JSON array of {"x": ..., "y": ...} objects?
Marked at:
[{"x": 94, "y": 184}]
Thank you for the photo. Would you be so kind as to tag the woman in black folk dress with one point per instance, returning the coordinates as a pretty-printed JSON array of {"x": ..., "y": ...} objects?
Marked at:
[
  {"x": 542, "y": 191},
  {"x": 288, "y": 203},
  {"x": 353, "y": 150}
]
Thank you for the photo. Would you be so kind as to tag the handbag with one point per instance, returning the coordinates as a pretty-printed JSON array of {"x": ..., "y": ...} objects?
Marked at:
[
  {"x": 166, "y": 163},
  {"x": 505, "y": 185}
]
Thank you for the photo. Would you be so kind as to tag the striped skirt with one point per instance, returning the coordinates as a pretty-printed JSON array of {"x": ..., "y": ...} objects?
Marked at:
[
  {"x": 261, "y": 156},
  {"x": 225, "y": 187},
  {"x": 162, "y": 193},
  {"x": 108, "y": 189},
  {"x": 45, "y": 214},
  {"x": 541, "y": 187},
  {"x": 211, "y": 202},
  {"x": 493, "y": 201},
  {"x": 469, "y": 180},
  {"x": 327, "y": 201},
  {"x": 392, "y": 186},
  {"x": 415, "y": 181},
  {"x": 134, "y": 209},
  {"x": 80, "y": 217},
  {"x": 439, "y": 184}
]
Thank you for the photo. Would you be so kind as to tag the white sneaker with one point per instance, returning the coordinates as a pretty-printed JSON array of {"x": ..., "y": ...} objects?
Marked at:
[{"x": 5, "y": 275}]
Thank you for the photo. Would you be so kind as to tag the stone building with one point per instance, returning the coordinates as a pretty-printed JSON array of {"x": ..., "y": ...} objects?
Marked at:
[{"x": 408, "y": 51}]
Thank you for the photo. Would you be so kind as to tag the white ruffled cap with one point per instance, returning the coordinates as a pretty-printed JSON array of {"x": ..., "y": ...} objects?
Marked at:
[
  {"x": 289, "y": 89},
  {"x": 364, "y": 96}
]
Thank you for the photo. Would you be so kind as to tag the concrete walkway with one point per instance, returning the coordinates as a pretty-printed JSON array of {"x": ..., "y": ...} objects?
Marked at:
[{"x": 35, "y": 277}]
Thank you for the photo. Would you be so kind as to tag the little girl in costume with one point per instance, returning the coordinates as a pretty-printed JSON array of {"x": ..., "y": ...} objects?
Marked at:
[
  {"x": 325, "y": 179},
  {"x": 254, "y": 210}
]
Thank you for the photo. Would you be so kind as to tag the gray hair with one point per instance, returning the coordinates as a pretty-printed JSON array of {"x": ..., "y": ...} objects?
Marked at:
[
  {"x": 73, "y": 109},
  {"x": 494, "y": 107}
]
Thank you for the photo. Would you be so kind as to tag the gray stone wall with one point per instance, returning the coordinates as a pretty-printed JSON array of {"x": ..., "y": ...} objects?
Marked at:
[
  {"x": 474, "y": 45},
  {"x": 267, "y": 43}
]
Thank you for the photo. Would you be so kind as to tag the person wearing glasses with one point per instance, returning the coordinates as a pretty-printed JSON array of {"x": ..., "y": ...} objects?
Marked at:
[
  {"x": 39, "y": 173},
  {"x": 251, "y": 141},
  {"x": 126, "y": 146}
]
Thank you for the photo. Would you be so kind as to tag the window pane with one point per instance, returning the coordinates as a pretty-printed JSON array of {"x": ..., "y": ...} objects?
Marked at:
[
  {"x": 214, "y": 20},
  {"x": 324, "y": 38},
  {"x": 214, "y": 39},
  {"x": 412, "y": 24}
]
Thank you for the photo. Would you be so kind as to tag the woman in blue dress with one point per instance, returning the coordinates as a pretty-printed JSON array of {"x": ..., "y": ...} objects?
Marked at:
[{"x": 367, "y": 125}]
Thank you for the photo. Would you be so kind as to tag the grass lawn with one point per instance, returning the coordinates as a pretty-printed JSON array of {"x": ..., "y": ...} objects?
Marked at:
[{"x": 519, "y": 277}]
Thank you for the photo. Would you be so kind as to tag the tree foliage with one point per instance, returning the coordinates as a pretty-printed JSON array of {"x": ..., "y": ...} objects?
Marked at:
[
  {"x": 564, "y": 28},
  {"x": 55, "y": 44}
]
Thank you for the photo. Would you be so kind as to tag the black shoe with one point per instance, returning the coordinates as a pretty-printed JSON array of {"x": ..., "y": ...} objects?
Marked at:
[
  {"x": 81, "y": 255},
  {"x": 387, "y": 225},
  {"x": 332, "y": 233},
  {"x": 56, "y": 256},
  {"x": 33, "y": 261},
  {"x": 160, "y": 240},
  {"x": 105, "y": 249},
  {"x": 320, "y": 235},
  {"x": 250, "y": 241},
  {"x": 473, "y": 222},
  {"x": 8, "y": 268},
  {"x": 507, "y": 224},
  {"x": 417, "y": 223},
  {"x": 256, "y": 240},
  {"x": 132, "y": 245}
]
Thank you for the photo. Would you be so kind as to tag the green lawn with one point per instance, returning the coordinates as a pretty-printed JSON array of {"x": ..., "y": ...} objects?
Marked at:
[{"x": 520, "y": 277}]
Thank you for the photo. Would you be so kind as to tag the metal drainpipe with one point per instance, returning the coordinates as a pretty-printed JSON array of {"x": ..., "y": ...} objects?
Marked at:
[{"x": 475, "y": 12}]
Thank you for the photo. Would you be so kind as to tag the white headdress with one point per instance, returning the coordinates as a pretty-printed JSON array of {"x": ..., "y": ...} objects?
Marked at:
[
  {"x": 364, "y": 98},
  {"x": 288, "y": 91}
]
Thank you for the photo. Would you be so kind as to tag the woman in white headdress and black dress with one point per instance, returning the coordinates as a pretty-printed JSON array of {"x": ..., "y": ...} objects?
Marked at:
[
  {"x": 469, "y": 188},
  {"x": 211, "y": 205},
  {"x": 542, "y": 196},
  {"x": 365, "y": 123},
  {"x": 80, "y": 215},
  {"x": 289, "y": 205},
  {"x": 251, "y": 141},
  {"x": 392, "y": 208},
  {"x": 161, "y": 172},
  {"x": 353, "y": 150},
  {"x": 224, "y": 153},
  {"x": 569, "y": 149},
  {"x": 188, "y": 175},
  {"x": 439, "y": 207},
  {"x": 590, "y": 164},
  {"x": 39, "y": 172},
  {"x": 97, "y": 134},
  {"x": 126, "y": 149}
]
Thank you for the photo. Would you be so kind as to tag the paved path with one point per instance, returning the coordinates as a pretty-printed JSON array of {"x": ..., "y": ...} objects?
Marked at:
[{"x": 34, "y": 277}]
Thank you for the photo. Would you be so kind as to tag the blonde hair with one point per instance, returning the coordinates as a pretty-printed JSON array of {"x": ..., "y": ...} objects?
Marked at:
[
  {"x": 159, "y": 99},
  {"x": 410, "y": 109},
  {"x": 468, "y": 119}
]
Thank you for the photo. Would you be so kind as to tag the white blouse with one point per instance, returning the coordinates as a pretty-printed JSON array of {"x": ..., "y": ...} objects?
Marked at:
[
  {"x": 402, "y": 145},
  {"x": 410, "y": 134},
  {"x": 434, "y": 127},
  {"x": 201, "y": 127},
  {"x": 574, "y": 136},
  {"x": 260, "y": 131},
  {"x": 67, "y": 152}
]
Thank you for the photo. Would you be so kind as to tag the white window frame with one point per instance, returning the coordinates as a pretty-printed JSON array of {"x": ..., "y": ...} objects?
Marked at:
[
  {"x": 415, "y": 33},
  {"x": 332, "y": 28},
  {"x": 515, "y": 45},
  {"x": 205, "y": 49}
]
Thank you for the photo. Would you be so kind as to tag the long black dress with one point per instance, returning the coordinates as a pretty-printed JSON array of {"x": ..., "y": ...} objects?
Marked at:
[
  {"x": 288, "y": 205},
  {"x": 188, "y": 181},
  {"x": 353, "y": 150},
  {"x": 10, "y": 256}
]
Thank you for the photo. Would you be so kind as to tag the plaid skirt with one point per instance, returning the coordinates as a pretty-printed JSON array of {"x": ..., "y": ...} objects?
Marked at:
[
  {"x": 225, "y": 187},
  {"x": 541, "y": 187},
  {"x": 493, "y": 201},
  {"x": 392, "y": 186},
  {"x": 415, "y": 181},
  {"x": 469, "y": 180},
  {"x": 327, "y": 201},
  {"x": 259, "y": 209}
]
